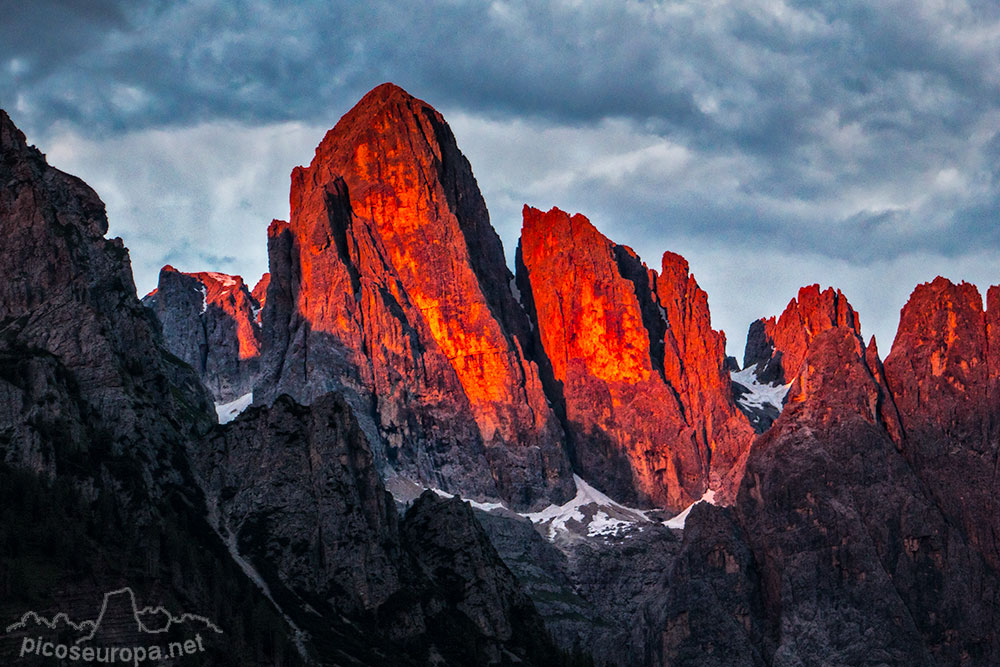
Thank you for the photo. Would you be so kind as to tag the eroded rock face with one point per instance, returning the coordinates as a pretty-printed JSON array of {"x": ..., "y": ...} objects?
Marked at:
[
  {"x": 943, "y": 371},
  {"x": 635, "y": 366},
  {"x": 856, "y": 561},
  {"x": 341, "y": 541},
  {"x": 695, "y": 362},
  {"x": 210, "y": 320},
  {"x": 604, "y": 599},
  {"x": 471, "y": 583},
  {"x": 389, "y": 283},
  {"x": 779, "y": 346}
]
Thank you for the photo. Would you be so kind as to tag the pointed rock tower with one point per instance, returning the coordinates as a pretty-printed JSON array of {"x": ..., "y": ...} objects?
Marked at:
[
  {"x": 636, "y": 368},
  {"x": 779, "y": 346},
  {"x": 389, "y": 284}
]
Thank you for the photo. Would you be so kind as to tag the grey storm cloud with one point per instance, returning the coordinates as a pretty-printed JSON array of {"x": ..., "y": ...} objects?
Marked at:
[
  {"x": 763, "y": 67},
  {"x": 847, "y": 130}
]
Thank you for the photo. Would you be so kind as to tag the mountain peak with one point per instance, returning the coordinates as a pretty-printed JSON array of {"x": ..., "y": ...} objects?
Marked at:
[
  {"x": 674, "y": 264},
  {"x": 384, "y": 92},
  {"x": 634, "y": 358},
  {"x": 10, "y": 136},
  {"x": 943, "y": 369},
  {"x": 394, "y": 277},
  {"x": 387, "y": 116},
  {"x": 938, "y": 362},
  {"x": 778, "y": 346}
]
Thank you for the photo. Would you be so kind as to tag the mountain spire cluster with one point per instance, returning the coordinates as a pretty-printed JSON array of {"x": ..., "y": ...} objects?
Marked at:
[{"x": 439, "y": 461}]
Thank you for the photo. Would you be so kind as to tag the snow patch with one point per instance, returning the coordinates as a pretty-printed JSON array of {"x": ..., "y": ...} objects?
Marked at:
[
  {"x": 204, "y": 297},
  {"x": 229, "y": 411},
  {"x": 589, "y": 514},
  {"x": 678, "y": 521},
  {"x": 223, "y": 279},
  {"x": 591, "y": 510},
  {"x": 486, "y": 507},
  {"x": 602, "y": 524},
  {"x": 758, "y": 395}
]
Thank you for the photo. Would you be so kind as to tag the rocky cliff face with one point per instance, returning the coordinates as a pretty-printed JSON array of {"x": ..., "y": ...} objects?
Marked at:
[
  {"x": 108, "y": 446},
  {"x": 835, "y": 552},
  {"x": 297, "y": 492},
  {"x": 259, "y": 293},
  {"x": 864, "y": 530},
  {"x": 842, "y": 528},
  {"x": 943, "y": 372},
  {"x": 713, "y": 608},
  {"x": 389, "y": 283},
  {"x": 777, "y": 347},
  {"x": 636, "y": 368},
  {"x": 210, "y": 320},
  {"x": 68, "y": 304},
  {"x": 96, "y": 418}
]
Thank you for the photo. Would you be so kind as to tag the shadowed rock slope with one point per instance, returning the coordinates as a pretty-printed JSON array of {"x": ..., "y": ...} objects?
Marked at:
[
  {"x": 944, "y": 371},
  {"x": 864, "y": 530},
  {"x": 853, "y": 561},
  {"x": 296, "y": 492}
]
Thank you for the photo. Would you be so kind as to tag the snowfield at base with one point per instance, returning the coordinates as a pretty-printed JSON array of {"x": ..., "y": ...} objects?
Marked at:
[
  {"x": 759, "y": 394},
  {"x": 229, "y": 411},
  {"x": 599, "y": 514},
  {"x": 606, "y": 517},
  {"x": 589, "y": 514}
]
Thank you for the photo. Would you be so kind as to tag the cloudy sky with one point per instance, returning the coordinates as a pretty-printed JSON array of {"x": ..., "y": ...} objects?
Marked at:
[{"x": 773, "y": 143}]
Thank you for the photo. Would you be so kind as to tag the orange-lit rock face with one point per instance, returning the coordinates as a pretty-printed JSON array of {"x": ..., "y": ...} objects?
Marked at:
[
  {"x": 939, "y": 359},
  {"x": 827, "y": 502},
  {"x": 230, "y": 295},
  {"x": 840, "y": 379},
  {"x": 943, "y": 371},
  {"x": 639, "y": 367},
  {"x": 693, "y": 363},
  {"x": 397, "y": 266},
  {"x": 805, "y": 317},
  {"x": 591, "y": 315}
]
